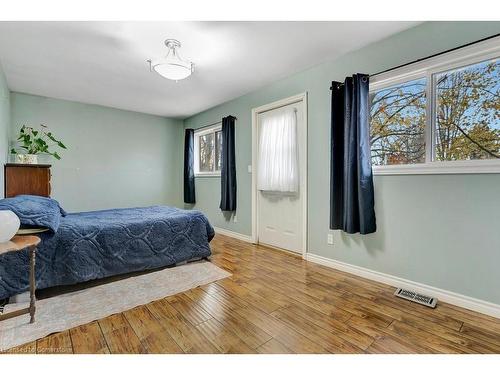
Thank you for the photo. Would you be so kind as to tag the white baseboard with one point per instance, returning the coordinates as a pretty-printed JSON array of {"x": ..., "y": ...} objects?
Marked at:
[
  {"x": 232, "y": 234},
  {"x": 453, "y": 298}
]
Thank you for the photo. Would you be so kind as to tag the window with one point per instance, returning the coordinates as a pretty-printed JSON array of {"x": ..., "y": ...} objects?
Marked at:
[
  {"x": 467, "y": 112},
  {"x": 278, "y": 158},
  {"x": 398, "y": 123},
  {"x": 208, "y": 151},
  {"x": 441, "y": 115}
]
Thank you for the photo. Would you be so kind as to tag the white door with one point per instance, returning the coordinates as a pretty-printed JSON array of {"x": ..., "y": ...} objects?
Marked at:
[{"x": 280, "y": 214}]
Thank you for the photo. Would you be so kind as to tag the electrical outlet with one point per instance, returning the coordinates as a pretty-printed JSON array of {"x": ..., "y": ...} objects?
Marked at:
[
  {"x": 329, "y": 239},
  {"x": 235, "y": 219},
  {"x": 249, "y": 169}
]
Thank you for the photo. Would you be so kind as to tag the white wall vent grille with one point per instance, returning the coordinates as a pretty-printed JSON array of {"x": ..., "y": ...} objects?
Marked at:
[{"x": 415, "y": 297}]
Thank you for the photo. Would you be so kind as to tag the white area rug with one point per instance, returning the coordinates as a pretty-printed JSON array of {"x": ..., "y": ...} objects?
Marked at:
[{"x": 70, "y": 310}]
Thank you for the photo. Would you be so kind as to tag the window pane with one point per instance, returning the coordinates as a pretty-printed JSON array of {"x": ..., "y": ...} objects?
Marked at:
[
  {"x": 398, "y": 124},
  {"x": 278, "y": 161},
  {"x": 468, "y": 113},
  {"x": 206, "y": 154},
  {"x": 218, "y": 150}
]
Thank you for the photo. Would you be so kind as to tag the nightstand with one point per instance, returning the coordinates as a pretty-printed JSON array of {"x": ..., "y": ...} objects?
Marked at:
[
  {"x": 33, "y": 179},
  {"x": 19, "y": 243}
]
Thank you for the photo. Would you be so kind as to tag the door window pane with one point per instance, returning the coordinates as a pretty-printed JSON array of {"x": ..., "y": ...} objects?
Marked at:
[
  {"x": 398, "y": 123},
  {"x": 468, "y": 112},
  {"x": 278, "y": 158}
]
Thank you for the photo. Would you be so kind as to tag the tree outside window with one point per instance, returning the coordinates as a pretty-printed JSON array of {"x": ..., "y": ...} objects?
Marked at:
[{"x": 466, "y": 117}]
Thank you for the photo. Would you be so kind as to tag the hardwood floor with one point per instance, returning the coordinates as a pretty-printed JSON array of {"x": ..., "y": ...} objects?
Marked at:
[{"x": 278, "y": 303}]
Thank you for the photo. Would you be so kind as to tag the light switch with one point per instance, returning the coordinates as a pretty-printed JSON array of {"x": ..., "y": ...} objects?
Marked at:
[{"x": 249, "y": 169}]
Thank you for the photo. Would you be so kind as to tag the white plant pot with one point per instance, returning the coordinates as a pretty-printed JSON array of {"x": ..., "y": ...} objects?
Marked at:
[
  {"x": 27, "y": 158},
  {"x": 9, "y": 225}
]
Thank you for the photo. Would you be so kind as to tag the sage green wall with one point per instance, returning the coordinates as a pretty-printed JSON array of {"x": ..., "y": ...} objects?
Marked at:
[
  {"x": 4, "y": 123},
  {"x": 438, "y": 230},
  {"x": 115, "y": 158}
]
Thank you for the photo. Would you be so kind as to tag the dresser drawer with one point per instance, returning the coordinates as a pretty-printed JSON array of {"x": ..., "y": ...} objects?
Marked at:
[{"x": 27, "y": 179}]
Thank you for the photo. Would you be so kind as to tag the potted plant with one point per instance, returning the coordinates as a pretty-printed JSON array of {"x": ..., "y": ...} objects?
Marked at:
[{"x": 33, "y": 142}]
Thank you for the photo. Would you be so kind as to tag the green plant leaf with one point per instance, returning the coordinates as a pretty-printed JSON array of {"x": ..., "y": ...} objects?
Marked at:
[
  {"x": 36, "y": 141},
  {"x": 40, "y": 142},
  {"x": 13, "y": 151}
]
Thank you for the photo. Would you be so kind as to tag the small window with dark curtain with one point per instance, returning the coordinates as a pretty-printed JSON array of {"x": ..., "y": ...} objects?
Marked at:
[{"x": 208, "y": 151}]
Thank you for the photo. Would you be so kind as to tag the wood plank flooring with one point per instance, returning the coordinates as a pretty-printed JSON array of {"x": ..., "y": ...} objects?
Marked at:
[{"x": 278, "y": 303}]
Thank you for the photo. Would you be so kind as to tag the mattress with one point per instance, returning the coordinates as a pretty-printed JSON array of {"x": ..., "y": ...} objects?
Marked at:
[{"x": 98, "y": 244}]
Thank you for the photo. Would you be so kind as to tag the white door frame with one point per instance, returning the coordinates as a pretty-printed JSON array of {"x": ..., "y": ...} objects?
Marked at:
[{"x": 300, "y": 98}]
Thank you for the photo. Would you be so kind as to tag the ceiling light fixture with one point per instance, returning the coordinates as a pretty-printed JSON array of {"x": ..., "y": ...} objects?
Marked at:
[{"x": 172, "y": 66}]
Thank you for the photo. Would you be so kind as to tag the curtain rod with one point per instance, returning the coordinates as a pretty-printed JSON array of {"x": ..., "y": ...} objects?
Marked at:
[
  {"x": 281, "y": 106},
  {"x": 434, "y": 55},
  {"x": 215, "y": 123}
]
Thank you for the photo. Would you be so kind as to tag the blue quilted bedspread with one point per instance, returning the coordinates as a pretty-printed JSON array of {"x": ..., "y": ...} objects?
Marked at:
[{"x": 93, "y": 245}]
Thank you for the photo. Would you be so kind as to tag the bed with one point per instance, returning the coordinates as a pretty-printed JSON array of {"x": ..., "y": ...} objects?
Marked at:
[{"x": 93, "y": 245}]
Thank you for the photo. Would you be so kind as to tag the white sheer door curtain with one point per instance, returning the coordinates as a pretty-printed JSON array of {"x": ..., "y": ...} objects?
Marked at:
[{"x": 278, "y": 159}]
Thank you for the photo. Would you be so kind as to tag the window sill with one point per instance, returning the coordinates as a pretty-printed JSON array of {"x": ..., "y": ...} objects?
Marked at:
[
  {"x": 196, "y": 175},
  {"x": 450, "y": 167}
]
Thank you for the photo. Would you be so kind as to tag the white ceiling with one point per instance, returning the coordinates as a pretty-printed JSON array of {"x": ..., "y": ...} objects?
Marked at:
[{"x": 105, "y": 62}]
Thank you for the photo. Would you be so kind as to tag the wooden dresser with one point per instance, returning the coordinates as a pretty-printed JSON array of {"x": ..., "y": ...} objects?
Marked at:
[{"x": 33, "y": 179}]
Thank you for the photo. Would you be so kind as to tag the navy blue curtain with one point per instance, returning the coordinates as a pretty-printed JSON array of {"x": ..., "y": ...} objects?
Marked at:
[
  {"x": 351, "y": 181},
  {"x": 228, "y": 168},
  {"x": 189, "y": 196}
]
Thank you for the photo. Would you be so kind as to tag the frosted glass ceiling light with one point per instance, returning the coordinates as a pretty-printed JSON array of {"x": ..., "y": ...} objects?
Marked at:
[{"x": 172, "y": 66}]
